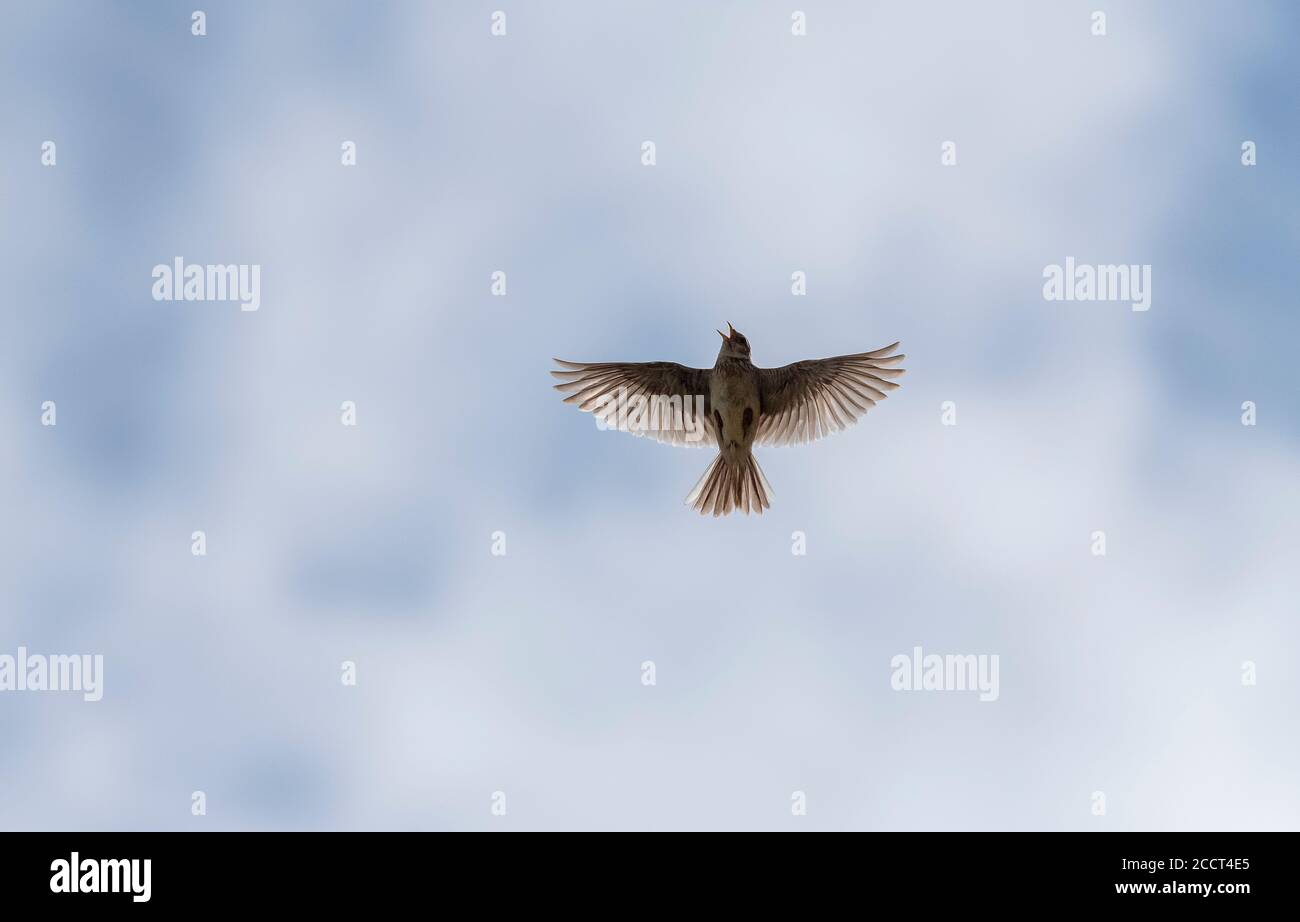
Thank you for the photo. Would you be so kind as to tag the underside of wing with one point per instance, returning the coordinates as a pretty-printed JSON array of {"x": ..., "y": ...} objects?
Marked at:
[
  {"x": 662, "y": 400},
  {"x": 810, "y": 399}
]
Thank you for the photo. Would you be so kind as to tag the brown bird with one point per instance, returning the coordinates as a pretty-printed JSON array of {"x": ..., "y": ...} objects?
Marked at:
[{"x": 735, "y": 404}]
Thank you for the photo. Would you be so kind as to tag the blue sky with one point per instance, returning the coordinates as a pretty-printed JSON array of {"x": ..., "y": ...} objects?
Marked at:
[{"x": 522, "y": 673}]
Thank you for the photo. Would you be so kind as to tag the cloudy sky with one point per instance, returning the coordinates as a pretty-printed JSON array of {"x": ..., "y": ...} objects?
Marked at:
[{"x": 1120, "y": 674}]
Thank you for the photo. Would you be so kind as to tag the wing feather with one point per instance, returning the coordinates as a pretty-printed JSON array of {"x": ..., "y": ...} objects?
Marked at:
[
  {"x": 603, "y": 388},
  {"x": 814, "y": 398}
]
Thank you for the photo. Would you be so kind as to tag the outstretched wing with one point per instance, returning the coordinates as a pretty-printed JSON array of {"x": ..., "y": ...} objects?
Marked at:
[
  {"x": 813, "y": 398},
  {"x": 663, "y": 400}
]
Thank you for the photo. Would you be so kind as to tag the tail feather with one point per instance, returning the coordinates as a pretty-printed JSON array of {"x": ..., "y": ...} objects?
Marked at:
[{"x": 728, "y": 485}]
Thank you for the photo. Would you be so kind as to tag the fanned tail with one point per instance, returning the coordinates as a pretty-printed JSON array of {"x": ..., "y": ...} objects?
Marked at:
[{"x": 728, "y": 485}]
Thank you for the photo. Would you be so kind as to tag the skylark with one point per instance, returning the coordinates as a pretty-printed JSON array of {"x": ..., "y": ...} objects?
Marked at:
[{"x": 735, "y": 404}]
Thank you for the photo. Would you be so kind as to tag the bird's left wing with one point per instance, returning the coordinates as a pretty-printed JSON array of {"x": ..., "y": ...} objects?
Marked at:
[
  {"x": 663, "y": 400},
  {"x": 813, "y": 398}
]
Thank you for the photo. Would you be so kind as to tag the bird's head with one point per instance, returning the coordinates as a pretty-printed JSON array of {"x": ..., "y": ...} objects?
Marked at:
[{"x": 734, "y": 344}]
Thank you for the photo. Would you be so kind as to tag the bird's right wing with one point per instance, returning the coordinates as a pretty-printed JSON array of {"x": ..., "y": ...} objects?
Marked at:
[
  {"x": 807, "y": 400},
  {"x": 663, "y": 400}
]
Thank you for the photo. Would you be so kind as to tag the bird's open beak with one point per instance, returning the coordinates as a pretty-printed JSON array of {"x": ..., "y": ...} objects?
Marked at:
[
  {"x": 731, "y": 331},
  {"x": 723, "y": 335}
]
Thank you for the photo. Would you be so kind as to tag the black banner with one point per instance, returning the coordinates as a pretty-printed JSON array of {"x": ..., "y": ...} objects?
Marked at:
[{"x": 334, "y": 870}]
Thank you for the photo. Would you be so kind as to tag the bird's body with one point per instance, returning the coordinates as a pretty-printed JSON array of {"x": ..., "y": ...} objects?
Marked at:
[
  {"x": 733, "y": 389},
  {"x": 735, "y": 403},
  {"x": 734, "y": 477}
]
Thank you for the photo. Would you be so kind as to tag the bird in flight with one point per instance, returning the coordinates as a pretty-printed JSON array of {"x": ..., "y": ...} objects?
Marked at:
[{"x": 734, "y": 405}]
